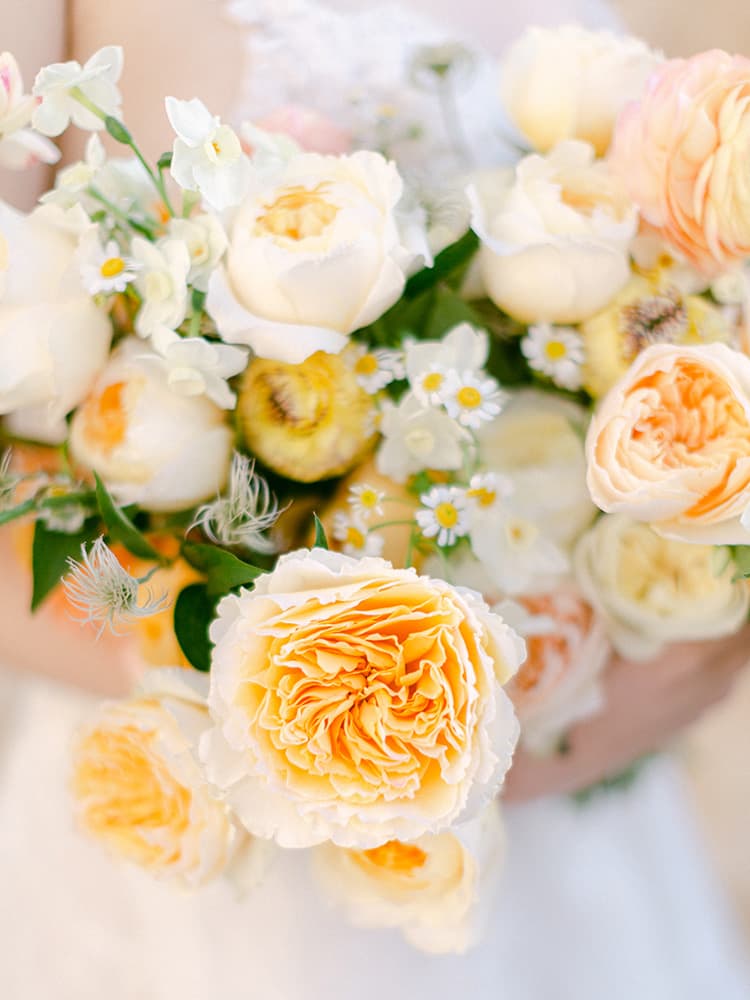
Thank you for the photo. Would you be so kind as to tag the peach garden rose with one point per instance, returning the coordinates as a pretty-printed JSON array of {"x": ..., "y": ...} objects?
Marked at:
[
  {"x": 670, "y": 443},
  {"x": 357, "y": 703}
]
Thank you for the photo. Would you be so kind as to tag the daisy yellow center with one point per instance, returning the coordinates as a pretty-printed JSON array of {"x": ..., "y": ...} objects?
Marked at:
[
  {"x": 298, "y": 213},
  {"x": 432, "y": 382},
  {"x": 483, "y": 496},
  {"x": 555, "y": 350},
  {"x": 368, "y": 498},
  {"x": 355, "y": 537},
  {"x": 366, "y": 365},
  {"x": 446, "y": 515},
  {"x": 396, "y": 857},
  {"x": 468, "y": 397},
  {"x": 112, "y": 267}
]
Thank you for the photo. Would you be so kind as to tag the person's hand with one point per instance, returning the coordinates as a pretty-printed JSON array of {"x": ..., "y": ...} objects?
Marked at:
[{"x": 646, "y": 706}]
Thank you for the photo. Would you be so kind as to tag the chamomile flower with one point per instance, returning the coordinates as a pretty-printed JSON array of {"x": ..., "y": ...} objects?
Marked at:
[
  {"x": 555, "y": 351},
  {"x": 488, "y": 488},
  {"x": 471, "y": 399},
  {"x": 366, "y": 501},
  {"x": 241, "y": 518},
  {"x": 377, "y": 369},
  {"x": 104, "y": 593},
  {"x": 103, "y": 268},
  {"x": 444, "y": 515},
  {"x": 354, "y": 536},
  {"x": 429, "y": 385},
  {"x": 429, "y": 361}
]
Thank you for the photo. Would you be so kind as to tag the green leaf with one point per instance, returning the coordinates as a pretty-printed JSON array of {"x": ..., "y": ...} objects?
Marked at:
[
  {"x": 224, "y": 571},
  {"x": 121, "y": 529},
  {"x": 118, "y": 131},
  {"x": 741, "y": 554},
  {"x": 18, "y": 511},
  {"x": 194, "y": 611},
  {"x": 450, "y": 265},
  {"x": 321, "y": 541},
  {"x": 49, "y": 557}
]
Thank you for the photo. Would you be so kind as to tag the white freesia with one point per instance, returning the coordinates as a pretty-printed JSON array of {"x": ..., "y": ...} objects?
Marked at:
[
  {"x": 555, "y": 235},
  {"x": 300, "y": 657},
  {"x": 417, "y": 437},
  {"x": 97, "y": 80},
  {"x": 206, "y": 241},
  {"x": 571, "y": 83},
  {"x": 652, "y": 590},
  {"x": 194, "y": 366},
  {"x": 464, "y": 348},
  {"x": 20, "y": 147},
  {"x": 315, "y": 253},
  {"x": 163, "y": 270},
  {"x": 53, "y": 338},
  {"x": 436, "y": 890},
  {"x": 150, "y": 445},
  {"x": 207, "y": 156}
]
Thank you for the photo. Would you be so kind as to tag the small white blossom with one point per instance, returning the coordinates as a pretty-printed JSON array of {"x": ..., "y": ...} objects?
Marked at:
[
  {"x": 377, "y": 369},
  {"x": 195, "y": 366},
  {"x": 105, "y": 593},
  {"x": 162, "y": 283},
  {"x": 444, "y": 515},
  {"x": 489, "y": 488},
  {"x": 356, "y": 540},
  {"x": 207, "y": 156},
  {"x": 103, "y": 268},
  {"x": 96, "y": 80},
  {"x": 241, "y": 518},
  {"x": 20, "y": 147},
  {"x": 555, "y": 351},
  {"x": 471, "y": 399},
  {"x": 417, "y": 437},
  {"x": 366, "y": 501},
  {"x": 206, "y": 241},
  {"x": 71, "y": 182},
  {"x": 464, "y": 348}
]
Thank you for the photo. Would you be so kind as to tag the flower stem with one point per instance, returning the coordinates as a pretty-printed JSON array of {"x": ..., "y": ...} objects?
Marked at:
[{"x": 140, "y": 227}]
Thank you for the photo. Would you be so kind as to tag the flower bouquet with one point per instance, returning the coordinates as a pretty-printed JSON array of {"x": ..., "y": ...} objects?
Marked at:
[{"x": 369, "y": 475}]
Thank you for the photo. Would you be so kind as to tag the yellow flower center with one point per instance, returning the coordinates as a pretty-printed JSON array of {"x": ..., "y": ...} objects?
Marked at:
[
  {"x": 366, "y": 365},
  {"x": 216, "y": 147},
  {"x": 396, "y": 857},
  {"x": 112, "y": 267},
  {"x": 555, "y": 350},
  {"x": 355, "y": 537},
  {"x": 521, "y": 533},
  {"x": 432, "y": 382},
  {"x": 368, "y": 498},
  {"x": 446, "y": 515},
  {"x": 298, "y": 213},
  {"x": 468, "y": 397},
  {"x": 483, "y": 496}
]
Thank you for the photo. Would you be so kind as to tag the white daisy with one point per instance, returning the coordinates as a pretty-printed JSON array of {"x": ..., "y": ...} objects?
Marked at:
[
  {"x": 429, "y": 361},
  {"x": 444, "y": 514},
  {"x": 366, "y": 501},
  {"x": 105, "y": 593},
  {"x": 555, "y": 351},
  {"x": 103, "y": 268},
  {"x": 354, "y": 536},
  {"x": 471, "y": 399},
  {"x": 377, "y": 369},
  {"x": 488, "y": 488},
  {"x": 241, "y": 518}
]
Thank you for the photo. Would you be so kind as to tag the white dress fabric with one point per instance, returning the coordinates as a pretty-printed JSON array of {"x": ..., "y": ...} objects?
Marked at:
[{"x": 610, "y": 900}]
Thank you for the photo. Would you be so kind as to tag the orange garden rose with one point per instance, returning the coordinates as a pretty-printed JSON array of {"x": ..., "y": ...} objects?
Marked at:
[
  {"x": 357, "y": 702},
  {"x": 682, "y": 153},
  {"x": 670, "y": 443}
]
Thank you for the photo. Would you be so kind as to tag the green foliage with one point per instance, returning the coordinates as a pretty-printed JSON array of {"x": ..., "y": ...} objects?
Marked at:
[
  {"x": 118, "y": 131},
  {"x": 741, "y": 555},
  {"x": 121, "y": 528},
  {"x": 194, "y": 611},
  {"x": 49, "y": 557},
  {"x": 321, "y": 540},
  {"x": 223, "y": 570},
  {"x": 6, "y": 516},
  {"x": 450, "y": 266}
]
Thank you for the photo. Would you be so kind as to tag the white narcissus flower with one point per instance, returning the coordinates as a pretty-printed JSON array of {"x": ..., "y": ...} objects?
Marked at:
[
  {"x": 97, "y": 80},
  {"x": 53, "y": 338},
  {"x": 207, "y": 156},
  {"x": 427, "y": 362},
  {"x": 436, "y": 889},
  {"x": 103, "y": 268},
  {"x": 316, "y": 252},
  {"x": 73, "y": 180},
  {"x": 417, "y": 437},
  {"x": 163, "y": 270},
  {"x": 572, "y": 83},
  {"x": 272, "y": 748},
  {"x": 20, "y": 147},
  {"x": 194, "y": 366},
  {"x": 555, "y": 235},
  {"x": 206, "y": 241},
  {"x": 150, "y": 445},
  {"x": 652, "y": 590}
]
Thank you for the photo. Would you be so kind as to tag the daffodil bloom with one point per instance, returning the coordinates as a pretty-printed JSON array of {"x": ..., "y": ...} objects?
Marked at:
[{"x": 96, "y": 80}]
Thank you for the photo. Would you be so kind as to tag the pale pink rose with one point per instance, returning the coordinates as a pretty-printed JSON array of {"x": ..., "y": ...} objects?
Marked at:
[
  {"x": 682, "y": 152},
  {"x": 309, "y": 129}
]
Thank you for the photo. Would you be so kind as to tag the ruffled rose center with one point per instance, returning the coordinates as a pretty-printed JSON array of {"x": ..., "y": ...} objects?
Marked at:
[{"x": 297, "y": 213}]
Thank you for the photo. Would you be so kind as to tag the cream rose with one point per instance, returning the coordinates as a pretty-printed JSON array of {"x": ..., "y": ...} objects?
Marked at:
[
  {"x": 357, "y": 703},
  {"x": 555, "y": 235},
  {"x": 670, "y": 443},
  {"x": 53, "y": 339},
  {"x": 571, "y": 83},
  {"x": 431, "y": 889},
  {"x": 315, "y": 252},
  {"x": 653, "y": 590},
  {"x": 138, "y": 789},
  {"x": 150, "y": 445}
]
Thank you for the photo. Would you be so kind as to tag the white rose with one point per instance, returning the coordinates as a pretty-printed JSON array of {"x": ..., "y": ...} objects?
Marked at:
[
  {"x": 53, "y": 339},
  {"x": 555, "y": 235},
  {"x": 653, "y": 590},
  {"x": 571, "y": 83},
  {"x": 435, "y": 889},
  {"x": 315, "y": 253},
  {"x": 151, "y": 446}
]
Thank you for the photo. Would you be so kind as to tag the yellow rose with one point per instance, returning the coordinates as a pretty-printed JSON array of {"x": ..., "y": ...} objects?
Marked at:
[
  {"x": 308, "y": 422},
  {"x": 357, "y": 703},
  {"x": 138, "y": 789},
  {"x": 652, "y": 590}
]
